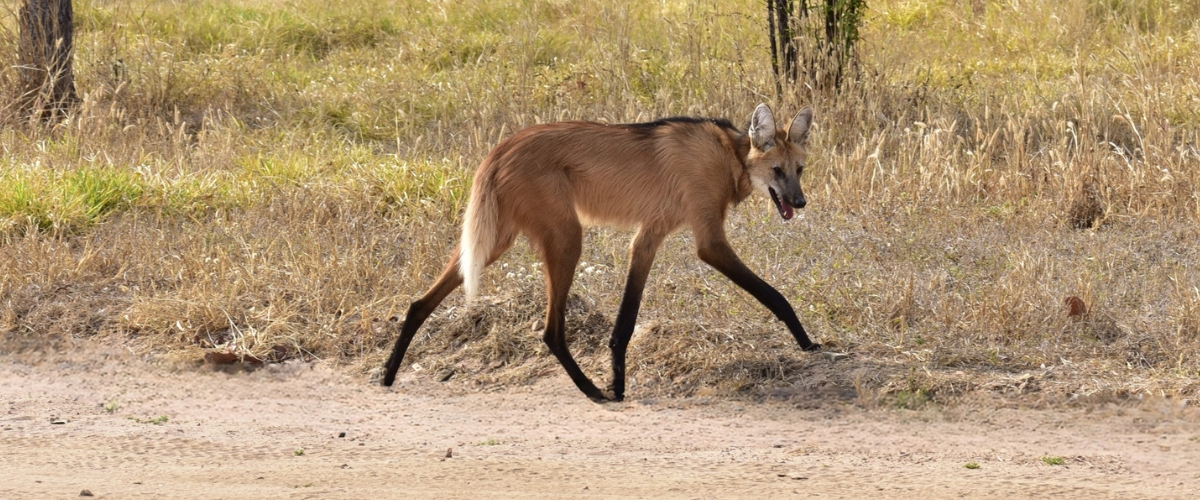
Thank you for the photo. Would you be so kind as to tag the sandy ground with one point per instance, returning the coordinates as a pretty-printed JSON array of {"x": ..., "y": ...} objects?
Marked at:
[{"x": 274, "y": 433}]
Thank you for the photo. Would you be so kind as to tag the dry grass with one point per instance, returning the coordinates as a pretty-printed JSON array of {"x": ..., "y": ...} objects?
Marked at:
[{"x": 268, "y": 176}]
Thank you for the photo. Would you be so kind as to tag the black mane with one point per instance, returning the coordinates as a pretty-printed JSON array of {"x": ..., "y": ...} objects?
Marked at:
[{"x": 647, "y": 127}]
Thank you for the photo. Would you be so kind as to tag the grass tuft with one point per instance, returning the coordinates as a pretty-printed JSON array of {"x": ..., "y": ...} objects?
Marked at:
[{"x": 1053, "y": 460}]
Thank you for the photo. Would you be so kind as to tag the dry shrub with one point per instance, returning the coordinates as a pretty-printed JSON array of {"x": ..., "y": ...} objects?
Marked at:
[
  {"x": 499, "y": 341},
  {"x": 1086, "y": 210}
]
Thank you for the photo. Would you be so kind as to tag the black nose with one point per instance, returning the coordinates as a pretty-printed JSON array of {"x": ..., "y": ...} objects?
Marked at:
[{"x": 800, "y": 202}]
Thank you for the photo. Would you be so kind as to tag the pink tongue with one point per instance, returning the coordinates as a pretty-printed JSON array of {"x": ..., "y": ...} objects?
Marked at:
[{"x": 787, "y": 211}]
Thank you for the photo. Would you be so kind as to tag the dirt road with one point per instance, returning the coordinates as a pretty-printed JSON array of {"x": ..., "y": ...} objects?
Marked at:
[{"x": 183, "y": 432}]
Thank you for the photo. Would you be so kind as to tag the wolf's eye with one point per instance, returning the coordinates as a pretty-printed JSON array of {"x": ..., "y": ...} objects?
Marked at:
[{"x": 778, "y": 171}]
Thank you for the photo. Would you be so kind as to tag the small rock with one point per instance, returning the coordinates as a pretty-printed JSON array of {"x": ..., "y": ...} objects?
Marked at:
[
  {"x": 58, "y": 421},
  {"x": 279, "y": 354},
  {"x": 341, "y": 434},
  {"x": 449, "y": 452},
  {"x": 220, "y": 358},
  {"x": 835, "y": 356},
  {"x": 86, "y": 493}
]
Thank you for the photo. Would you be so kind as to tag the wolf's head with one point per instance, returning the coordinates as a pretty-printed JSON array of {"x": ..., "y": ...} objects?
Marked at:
[{"x": 777, "y": 156}]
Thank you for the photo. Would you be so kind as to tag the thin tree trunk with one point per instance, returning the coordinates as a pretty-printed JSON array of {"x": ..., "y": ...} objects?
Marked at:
[
  {"x": 45, "y": 51},
  {"x": 832, "y": 18},
  {"x": 774, "y": 49},
  {"x": 787, "y": 46}
]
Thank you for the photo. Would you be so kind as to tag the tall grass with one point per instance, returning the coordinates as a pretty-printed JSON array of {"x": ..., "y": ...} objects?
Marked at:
[{"x": 246, "y": 175}]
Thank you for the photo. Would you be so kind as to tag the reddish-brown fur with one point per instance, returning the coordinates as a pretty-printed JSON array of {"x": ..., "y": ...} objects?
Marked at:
[{"x": 546, "y": 181}]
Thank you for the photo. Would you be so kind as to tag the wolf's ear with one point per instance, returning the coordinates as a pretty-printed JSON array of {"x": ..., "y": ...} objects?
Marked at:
[
  {"x": 798, "y": 131},
  {"x": 762, "y": 128}
]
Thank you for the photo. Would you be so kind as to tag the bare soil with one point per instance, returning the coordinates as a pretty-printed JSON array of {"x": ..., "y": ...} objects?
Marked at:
[{"x": 275, "y": 433}]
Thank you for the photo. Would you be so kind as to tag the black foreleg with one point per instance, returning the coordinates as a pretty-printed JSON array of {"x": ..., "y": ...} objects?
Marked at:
[{"x": 720, "y": 255}]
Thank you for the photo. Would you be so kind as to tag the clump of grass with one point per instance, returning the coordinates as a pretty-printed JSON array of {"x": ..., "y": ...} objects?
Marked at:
[
  {"x": 1048, "y": 460},
  {"x": 971, "y": 465},
  {"x": 64, "y": 200},
  {"x": 912, "y": 400}
]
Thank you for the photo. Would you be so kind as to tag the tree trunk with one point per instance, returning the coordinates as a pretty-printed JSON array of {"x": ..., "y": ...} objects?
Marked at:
[
  {"x": 45, "y": 51},
  {"x": 783, "y": 41},
  {"x": 774, "y": 45},
  {"x": 787, "y": 41}
]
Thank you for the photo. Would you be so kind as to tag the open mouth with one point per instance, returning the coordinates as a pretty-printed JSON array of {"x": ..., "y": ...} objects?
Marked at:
[{"x": 785, "y": 210}]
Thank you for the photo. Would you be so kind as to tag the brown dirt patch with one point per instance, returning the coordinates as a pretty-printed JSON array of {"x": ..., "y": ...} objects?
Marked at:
[{"x": 238, "y": 435}]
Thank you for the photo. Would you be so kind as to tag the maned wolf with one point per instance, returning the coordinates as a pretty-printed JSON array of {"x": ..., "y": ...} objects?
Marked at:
[{"x": 657, "y": 176}]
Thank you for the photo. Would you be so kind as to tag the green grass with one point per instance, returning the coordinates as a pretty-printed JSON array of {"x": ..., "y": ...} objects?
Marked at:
[
  {"x": 912, "y": 400},
  {"x": 1053, "y": 460},
  {"x": 68, "y": 200},
  {"x": 51, "y": 199}
]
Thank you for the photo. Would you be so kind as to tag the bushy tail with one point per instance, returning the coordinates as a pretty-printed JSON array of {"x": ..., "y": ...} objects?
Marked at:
[{"x": 479, "y": 234}]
